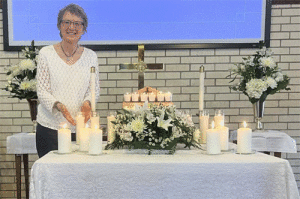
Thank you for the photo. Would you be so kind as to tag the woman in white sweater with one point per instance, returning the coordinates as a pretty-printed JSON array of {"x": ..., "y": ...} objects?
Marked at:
[{"x": 63, "y": 79}]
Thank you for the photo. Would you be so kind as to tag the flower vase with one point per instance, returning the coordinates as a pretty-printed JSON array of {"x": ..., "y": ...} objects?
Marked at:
[
  {"x": 259, "y": 108},
  {"x": 33, "y": 112}
]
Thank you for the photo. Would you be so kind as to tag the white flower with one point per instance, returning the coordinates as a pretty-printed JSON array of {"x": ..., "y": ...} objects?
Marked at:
[
  {"x": 150, "y": 117},
  {"x": 255, "y": 88},
  {"x": 242, "y": 67},
  {"x": 278, "y": 77},
  {"x": 271, "y": 82},
  {"x": 27, "y": 64},
  {"x": 163, "y": 123},
  {"x": 138, "y": 125},
  {"x": 28, "y": 85},
  {"x": 267, "y": 62}
]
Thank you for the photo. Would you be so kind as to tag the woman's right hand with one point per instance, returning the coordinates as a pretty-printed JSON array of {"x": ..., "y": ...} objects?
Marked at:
[{"x": 63, "y": 109}]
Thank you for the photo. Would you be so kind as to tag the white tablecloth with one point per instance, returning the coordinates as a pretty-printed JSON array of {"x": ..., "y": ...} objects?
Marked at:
[
  {"x": 21, "y": 143},
  {"x": 270, "y": 140},
  {"x": 187, "y": 174}
]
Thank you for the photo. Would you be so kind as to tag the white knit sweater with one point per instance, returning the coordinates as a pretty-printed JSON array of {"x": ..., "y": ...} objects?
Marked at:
[{"x": 59, "y": 82}]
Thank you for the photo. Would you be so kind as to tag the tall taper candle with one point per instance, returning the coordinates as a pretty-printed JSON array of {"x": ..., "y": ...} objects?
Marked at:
[
  {"x": 201, "y": 89},
  {"x": 93, "y": 88}
]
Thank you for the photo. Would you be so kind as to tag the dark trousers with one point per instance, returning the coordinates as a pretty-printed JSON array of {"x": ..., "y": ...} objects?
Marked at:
[{"x": 46, "y": 140}]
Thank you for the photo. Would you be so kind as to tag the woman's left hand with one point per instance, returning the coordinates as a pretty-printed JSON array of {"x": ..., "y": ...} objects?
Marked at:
[{"x": 86, "y": 110}]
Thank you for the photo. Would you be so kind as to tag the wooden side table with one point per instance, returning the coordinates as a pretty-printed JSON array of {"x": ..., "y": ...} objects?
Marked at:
[{"x": 21, "y": 145}]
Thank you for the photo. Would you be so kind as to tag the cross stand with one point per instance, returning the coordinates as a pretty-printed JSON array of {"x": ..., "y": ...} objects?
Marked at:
[{"x": 141, "y": 66}]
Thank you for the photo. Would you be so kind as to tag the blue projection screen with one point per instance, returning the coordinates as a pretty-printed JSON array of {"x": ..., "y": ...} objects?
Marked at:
[{"x": 132, "y": 22}]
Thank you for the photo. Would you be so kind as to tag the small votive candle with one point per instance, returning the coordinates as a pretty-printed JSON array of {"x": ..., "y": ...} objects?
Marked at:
[
  {"x": 219, "y": 118},
  {"x": 127, "y": 97},
  {"x": 213, "y": 142},
  {"x": 244, "y": 139},
  {"x": 111, "y": 135},
  {"x": 95, "y": 121},
  {"x": 135, "y": 97},
  {"x": 144, "y": 97},
  {"x": 168, "y": 97},
  {"x": 151, "y": 97},
  {"x": 204, "y": 124},
  {"x": 64, "y": 139},
  {"x": 160, "y": 97},
  {"x": 95, "y": 141}
]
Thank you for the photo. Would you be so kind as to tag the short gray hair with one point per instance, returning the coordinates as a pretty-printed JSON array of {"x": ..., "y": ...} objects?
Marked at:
[{"x": 73, "y": 9}]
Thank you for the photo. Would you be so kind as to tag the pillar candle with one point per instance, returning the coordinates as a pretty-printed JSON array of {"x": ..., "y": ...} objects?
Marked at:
[
  {"x": 224, "y": 134},
  {"x": 213, "y": 142},
  {"x": 168, "y": 97},
  {"x": 95, "y": 141},
  {"x": 79, "y": 125},
  {"x": 160, "y": 97},
  {"x": 244, "y": 139},
  {"x": 111, "y": 135},
  {"x": 95, "y": 120},
  {"x": 144, "y": 97},
  {"x": 84, "y": 139},
  {"x": 93, "y": 89},
  {"x": 127, "y": 97},
  {"x": 201, "y": 89},
  {"x": 135, "y": 97},
  {"x": 204, "y": 122},
  {"x": 151, "y": 97},
  {"x": 64, "y": 140},
  {"x": 219, "y": 118}
]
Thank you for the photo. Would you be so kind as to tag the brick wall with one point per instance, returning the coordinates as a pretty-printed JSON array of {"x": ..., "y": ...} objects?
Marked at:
[{"x": 180, "y": 76}]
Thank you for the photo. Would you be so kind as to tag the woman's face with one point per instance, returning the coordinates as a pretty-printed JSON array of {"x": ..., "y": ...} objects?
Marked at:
[{"x": 71, "y": 27}]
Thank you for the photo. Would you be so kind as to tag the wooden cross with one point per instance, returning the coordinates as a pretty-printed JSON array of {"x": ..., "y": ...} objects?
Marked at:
[{"x": 141, "y": 66}]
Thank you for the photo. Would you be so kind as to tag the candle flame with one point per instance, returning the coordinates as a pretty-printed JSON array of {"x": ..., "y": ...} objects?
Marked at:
[
  {"x": 86, "y": 126},
  {"x": 65, "y": 125},
  {"x": 96, "y": 127},
  {"x": 245, "y": 124},
  {"x": 213, "y": 125}
]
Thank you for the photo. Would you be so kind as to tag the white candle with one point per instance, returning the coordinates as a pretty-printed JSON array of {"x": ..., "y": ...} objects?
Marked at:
[
  {"x": 168, "y": 97},
  {"x": 135, "y": 97},
  {"x": 144, "y": 97},
  {"x": 95, "y": 141},
  {"x": 151, "y": 97},
  {"x": 244, "y": 139},
  {"x": 79, "y": 125},
  {"x": 64, "y": 140},
  {"x": 219, "y": 118},
  {"x": 95, "y": 120},
  {"x": 84, "y": 139},
  {"x": 204, "y": 122},
  {"x": 201, "y": 88},
  {"x": 93, "y": 89},
  {"x": 213, "y": 142},
  {"x": 160, "y": 97},
  {"x": 111, "y": 135},
  {"x": 127, "y": 97},
  {"x": 224, "y": 133}
]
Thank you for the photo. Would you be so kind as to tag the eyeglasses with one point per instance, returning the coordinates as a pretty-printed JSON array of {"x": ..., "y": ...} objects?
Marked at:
[{"x": 77, "y": 24}]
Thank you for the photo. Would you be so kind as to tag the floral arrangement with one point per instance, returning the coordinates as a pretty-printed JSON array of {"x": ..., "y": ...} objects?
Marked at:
[
  {"x": 21, "y": 80},
  {"x": 260, "y": 76},
  {"x": 154, "y": 128}
]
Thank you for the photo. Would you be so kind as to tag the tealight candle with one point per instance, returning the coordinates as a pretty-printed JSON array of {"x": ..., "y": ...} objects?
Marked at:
[
  {"x": 213, "y": 142},
  {"x": 95, "y": 141},
  {"x": 244, "y": 139},
  {"x": 219, "y": 118},
  {"x": 111, "y": 135},
  {"x": 64, "y": 140},
  {"x": 127, "y": 97},
  {"x": 204, "y": 122},
  {"x": 95, "y": 120},
  {"x": 79, "y": 125},
  {"x": 84, "y": 138},
  {"x": 151, "y": 97},
  {"x": 168, "y": 97},
  {"x": 135, "y": 97},
  {"x": 144, "y": 97},
  {"x": 160, "y": 97}
]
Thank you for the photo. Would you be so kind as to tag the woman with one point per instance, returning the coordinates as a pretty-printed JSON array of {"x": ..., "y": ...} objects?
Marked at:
[{"x": 63, "y": 79}]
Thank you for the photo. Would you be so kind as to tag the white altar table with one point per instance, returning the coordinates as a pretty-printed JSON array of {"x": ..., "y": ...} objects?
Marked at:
[{"x": 186, "y": 174}]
